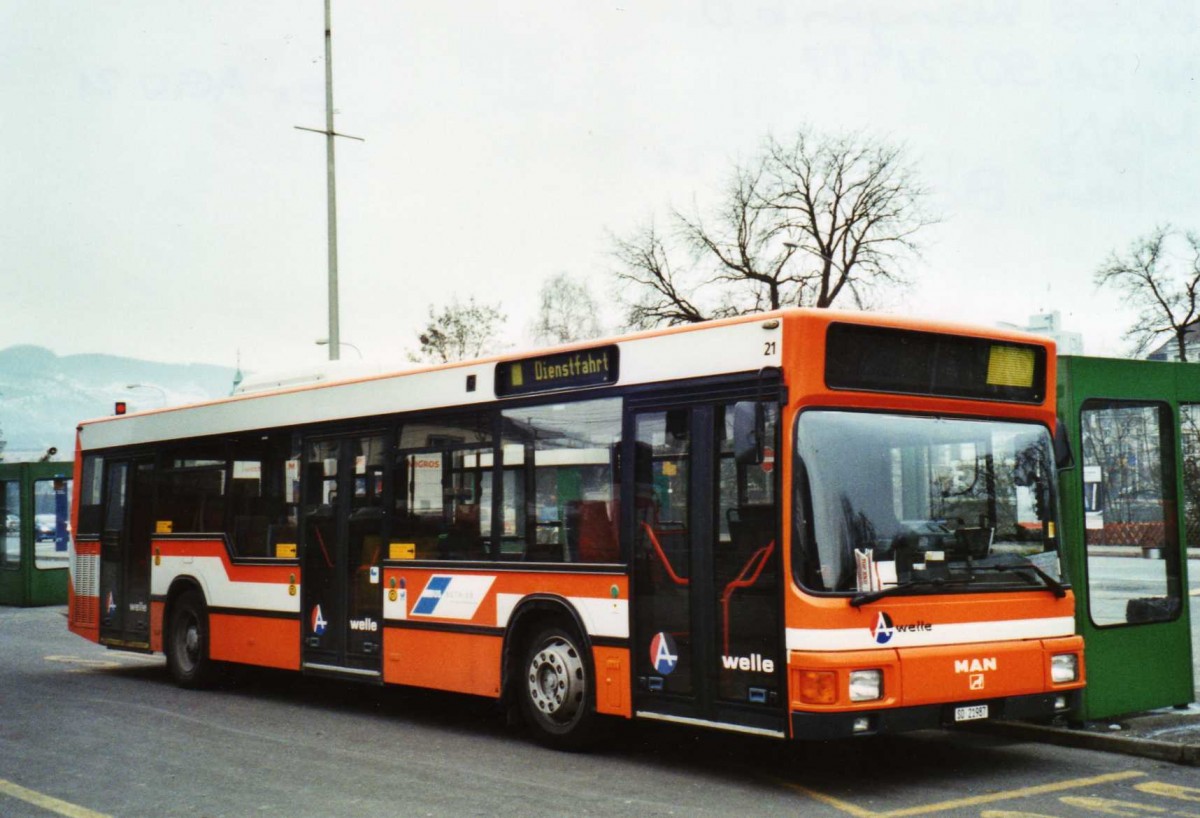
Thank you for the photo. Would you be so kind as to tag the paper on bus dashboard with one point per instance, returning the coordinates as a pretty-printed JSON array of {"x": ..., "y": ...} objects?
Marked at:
[{"x": 873, "y": 575}]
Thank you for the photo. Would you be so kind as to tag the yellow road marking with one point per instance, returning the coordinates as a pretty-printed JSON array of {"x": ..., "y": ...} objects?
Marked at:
[
  {"x": 1175, "y": 791},
  {"x": 1109, "y": 806},
  {"x": 79, "y": 660},
  {"x": 961, "y": 803},
  {"x": 1002, "y": 813},
  {"x": 836, "y": 803},
  {"x": 47, "y": 802},
  {"x": 110, "y": 658}
]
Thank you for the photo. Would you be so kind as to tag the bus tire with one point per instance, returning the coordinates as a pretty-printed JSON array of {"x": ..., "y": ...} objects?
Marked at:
[
  {"x": 187, "y": 642},
  {"x": 555, "y": 689}
]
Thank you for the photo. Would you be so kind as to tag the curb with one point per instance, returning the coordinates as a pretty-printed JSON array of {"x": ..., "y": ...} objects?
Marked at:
[{"x": 1186, "y": 754}]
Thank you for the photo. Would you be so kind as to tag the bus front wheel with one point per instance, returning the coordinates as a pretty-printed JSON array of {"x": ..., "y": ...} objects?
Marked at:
[
  {"x": 187, "y": 641},
  {"x": 556, "y": 693}
]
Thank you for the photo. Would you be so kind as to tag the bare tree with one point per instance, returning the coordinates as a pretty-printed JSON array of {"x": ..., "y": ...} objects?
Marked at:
[
  {"x": 567, "y": 311},
  {"x": 1160, "y": 286},
  {"x": 459, "y": 332},
  {"x": 810, "y": 222}
]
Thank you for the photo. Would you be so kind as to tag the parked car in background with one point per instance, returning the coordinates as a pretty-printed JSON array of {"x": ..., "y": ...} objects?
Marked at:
[{"x": 44, "y": 526}]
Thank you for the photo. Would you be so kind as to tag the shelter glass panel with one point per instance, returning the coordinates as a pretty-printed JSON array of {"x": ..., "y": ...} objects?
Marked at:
[
  {"x": 10, "y": 500},
  {"x": 1130, "y": 529},
  {"x": 51, "y": 522}
]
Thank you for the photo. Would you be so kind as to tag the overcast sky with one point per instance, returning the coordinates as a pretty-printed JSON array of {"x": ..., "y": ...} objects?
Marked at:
[{"x": 158, "y": 202}]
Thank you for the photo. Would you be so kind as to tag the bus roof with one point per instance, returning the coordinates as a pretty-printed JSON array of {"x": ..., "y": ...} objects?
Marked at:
[{"x": 725, "y": 346}]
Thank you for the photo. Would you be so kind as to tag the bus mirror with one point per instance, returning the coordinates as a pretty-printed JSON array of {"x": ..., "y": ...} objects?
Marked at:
[
  {"x": 748, "y": 421},
  {"x": 1063, "y": 458}
]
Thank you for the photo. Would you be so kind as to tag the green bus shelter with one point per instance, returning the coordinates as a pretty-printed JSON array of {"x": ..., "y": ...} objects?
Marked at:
[
  {"x": 1131, "y": 506},
  {"x": 35, "y": 500}
]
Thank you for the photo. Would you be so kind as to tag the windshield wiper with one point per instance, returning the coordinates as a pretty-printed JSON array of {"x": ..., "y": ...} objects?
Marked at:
[
  {"x": 1052, "y": 583},
  {"x": 858, "y": 600}
]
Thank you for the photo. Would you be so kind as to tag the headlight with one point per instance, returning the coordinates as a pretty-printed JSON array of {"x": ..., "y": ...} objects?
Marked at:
[
  {"x": 1064, "y": 667},
  {"x": 866, "y": 685}
]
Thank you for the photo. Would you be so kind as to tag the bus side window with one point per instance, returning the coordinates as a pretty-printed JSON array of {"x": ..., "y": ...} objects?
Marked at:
[
  {"x": 91, "y": 513},
  {"x": 262, "y": 487},
  {"x": 443, "y": 507},
  {"x": 560, "y": 481}
]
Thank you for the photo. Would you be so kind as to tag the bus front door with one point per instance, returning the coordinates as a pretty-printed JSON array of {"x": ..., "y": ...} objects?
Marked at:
[
  {"x": 342, "y": 598},
  {"x": 125, "y": 553},
  {"x": 707, "y": 638}
]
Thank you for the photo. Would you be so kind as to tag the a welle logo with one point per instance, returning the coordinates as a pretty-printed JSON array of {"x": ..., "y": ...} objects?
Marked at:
[{"x": 884, "y": 629}]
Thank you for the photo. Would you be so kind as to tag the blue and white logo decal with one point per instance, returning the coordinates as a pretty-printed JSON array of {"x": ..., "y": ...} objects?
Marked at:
[
  {"x": 452, "y": 596},
  {"x": 428, "y": 601},
  {"x": 318, "y": 621},
  {"x": 112, "y": 604},
  {"x": 664, "y": 656},
  {"x": 884, "y": 630}
]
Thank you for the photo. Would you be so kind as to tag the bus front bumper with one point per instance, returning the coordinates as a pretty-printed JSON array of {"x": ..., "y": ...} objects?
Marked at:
[{"x": 1038, "y": 706}]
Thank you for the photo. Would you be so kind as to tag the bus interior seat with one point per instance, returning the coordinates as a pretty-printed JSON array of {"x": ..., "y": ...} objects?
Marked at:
[
  {"x": 462, "y": 541},
  {"x": 591, "y": 535},
  {"x": 250, "y": 535}
]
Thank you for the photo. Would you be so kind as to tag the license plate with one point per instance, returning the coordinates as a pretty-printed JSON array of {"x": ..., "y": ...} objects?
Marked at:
[{"x": 978, "y": 711}]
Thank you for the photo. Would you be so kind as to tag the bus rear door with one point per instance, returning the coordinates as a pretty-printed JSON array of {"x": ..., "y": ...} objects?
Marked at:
[{"x": 125, "y": 552}]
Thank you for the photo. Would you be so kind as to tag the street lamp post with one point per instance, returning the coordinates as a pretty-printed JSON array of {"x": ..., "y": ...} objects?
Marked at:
[
  {"x": 325, "y": 341},
  {"x": 331, "y": 187},
  {"x": 162, "y": 393}
]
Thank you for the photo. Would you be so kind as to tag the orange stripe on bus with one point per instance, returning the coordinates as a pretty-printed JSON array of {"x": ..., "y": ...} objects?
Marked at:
[
  {"x": 458, "y": 662},
  {"x": 255, "y": 640}
]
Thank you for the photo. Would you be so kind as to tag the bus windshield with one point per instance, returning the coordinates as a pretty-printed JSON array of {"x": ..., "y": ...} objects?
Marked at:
[{"x": 895, "y": 504}]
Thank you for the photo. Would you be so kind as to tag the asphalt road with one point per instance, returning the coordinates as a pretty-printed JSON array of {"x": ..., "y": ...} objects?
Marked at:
[{"x": 90, "y": 733}]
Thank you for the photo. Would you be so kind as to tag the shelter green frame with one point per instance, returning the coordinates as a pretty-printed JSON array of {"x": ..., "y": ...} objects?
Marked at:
[{"x": 1131, "y": 667}]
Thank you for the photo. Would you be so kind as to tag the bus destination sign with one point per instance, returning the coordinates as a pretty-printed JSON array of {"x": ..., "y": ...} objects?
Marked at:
[{"x": 557, "y": 371}]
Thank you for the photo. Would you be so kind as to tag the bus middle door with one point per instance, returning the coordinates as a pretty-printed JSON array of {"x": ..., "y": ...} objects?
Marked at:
[
  {"x": 342, "y": 627},
  {"x": 707, "y": 639}
]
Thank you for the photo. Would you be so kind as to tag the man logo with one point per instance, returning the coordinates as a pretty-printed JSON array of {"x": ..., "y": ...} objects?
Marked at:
[
  {"x": 976, "y": 680},
  {"x": 884, "y": 630},
  {"x": 663, "y": 654}
]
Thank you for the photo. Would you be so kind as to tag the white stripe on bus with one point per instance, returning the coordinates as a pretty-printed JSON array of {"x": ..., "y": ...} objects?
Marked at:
[{"x": 961, "y": 633}]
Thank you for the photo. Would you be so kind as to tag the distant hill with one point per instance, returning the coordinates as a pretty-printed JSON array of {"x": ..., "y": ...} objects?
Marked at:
[{"x": 43, "y": 396}]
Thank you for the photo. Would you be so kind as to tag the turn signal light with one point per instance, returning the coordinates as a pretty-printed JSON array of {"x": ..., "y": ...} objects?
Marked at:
[{"x": 818, "y": 687}]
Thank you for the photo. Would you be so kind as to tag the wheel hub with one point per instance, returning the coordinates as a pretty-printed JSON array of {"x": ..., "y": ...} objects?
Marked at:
[{"x": 556, "y": 680}]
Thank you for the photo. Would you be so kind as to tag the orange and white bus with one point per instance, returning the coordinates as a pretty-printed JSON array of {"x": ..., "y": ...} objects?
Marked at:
[{"x": 803, "y": 524}]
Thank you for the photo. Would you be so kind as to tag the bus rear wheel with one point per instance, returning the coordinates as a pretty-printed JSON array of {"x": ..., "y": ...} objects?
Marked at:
[
  {"x": 556, "y": 691},
  {"x": 187, "y": 642}
]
